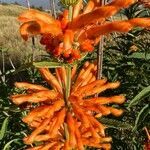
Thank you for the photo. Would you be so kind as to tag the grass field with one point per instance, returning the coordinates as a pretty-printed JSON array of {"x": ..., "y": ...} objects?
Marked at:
[{"x": 10, "y": 40}]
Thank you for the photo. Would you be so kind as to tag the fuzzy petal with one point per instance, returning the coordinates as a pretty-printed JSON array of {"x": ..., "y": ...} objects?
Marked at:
[
  {"x": 31, "y": 28},
  {"x": 32, "y": 14},
  {"x": 118, "y": 26},
  {"x": 99, "y": 14}
]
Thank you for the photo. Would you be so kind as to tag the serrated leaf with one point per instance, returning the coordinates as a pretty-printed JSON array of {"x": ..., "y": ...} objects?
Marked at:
[
  {"x": 115, "y": 123},
  {"x": 141, "y": 116},
  {"x": 143, "y": 94},
  {"x": 4, "y": 128},
  {"x": 46, "y": 64}
]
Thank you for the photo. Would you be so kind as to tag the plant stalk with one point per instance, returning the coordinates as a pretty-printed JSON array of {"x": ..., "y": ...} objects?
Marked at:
[
  {"x": 100, "y": 58},
  {"x": 53, "y": 8},
  {"x": 67, "y": 87},
  {"x": 70, "y": 13},
  {"x": 33, "y": 46},
  {"x": 28, "y": 3},
  {"x": 3, "y": 69},
  {"x": 100, "y": 53}
]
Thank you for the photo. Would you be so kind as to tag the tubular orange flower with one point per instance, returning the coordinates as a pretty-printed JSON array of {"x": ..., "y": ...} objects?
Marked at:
[
  {"x": 67, "y": 39},
  {"x": 71, "y": 124},
  {"x": 118, "y": 26}
]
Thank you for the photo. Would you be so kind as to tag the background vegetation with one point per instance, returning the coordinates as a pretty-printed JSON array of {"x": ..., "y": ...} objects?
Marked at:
[
  {"x": 10, "y": 41},
  {"x": 126, "y": 58}
]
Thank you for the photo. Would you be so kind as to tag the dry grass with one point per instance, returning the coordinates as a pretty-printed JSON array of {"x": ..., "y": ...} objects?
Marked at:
[
  {"x": 10, "y": 39},
  {"x": 11, "y": 10}
]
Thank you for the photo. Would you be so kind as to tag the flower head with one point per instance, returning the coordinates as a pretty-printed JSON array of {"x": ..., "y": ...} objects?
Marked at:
[
  {"x": 63, "y": 37},
  {"x": 67, "y": 124}
]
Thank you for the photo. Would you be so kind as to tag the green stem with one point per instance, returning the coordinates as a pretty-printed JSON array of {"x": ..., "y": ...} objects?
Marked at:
[
  {"x": 70, "y": 13},
  {"x": 68, "y": 74},
  {"x": 66, "y": 131},
  {"x": 67, "y": 88}
]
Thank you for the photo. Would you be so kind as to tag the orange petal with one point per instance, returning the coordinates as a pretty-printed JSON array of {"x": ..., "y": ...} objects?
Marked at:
[
  {"x": 116, "y": 112},
  {"x": 80, "y": 145},
  {"x": 71, "y": 129},
  {"x": 73, "y": 71},
  {"x": 87, "y": 88},
  {"x": 42, "y": 137},
  {"x": 36, "y": 97},
  {"x": 68, "y": 39},
  {"x": 141, "y": 22},
  {"x": 87, "y": 46},
  {"x": 50, "y": 78},
  {"x": 66, "y": 145},
  {"x": 64, "y": 19},
  {"x": 89, "y": 7},
  {"x": 30, "y": 139},
  {"x": 48, "y": 146},
  {"x": 30, "y": 86},
  {"x": 96, "y": 124},
  {"x": 38, "y": 27},
  {"x": 105, "y": 100},
  {"x": 77, "y": 8},
  {"x": 99, "y": 14},
  {"x": 33, "y": 15},
  {"x": 100, "y": 88},
  {"x": 97, "y": 2},
  {"x": 55, "y": 107},
  {"x": 36, "y": 113},
  {"x": 118, "y": 26},
  {"x": 35, "y": 148},
  {"x": 60, "y": 119},
  {"x": 80, "y": 114},
  {"x": 121, "y": 3},
  {"x": 83, "y": 76}
]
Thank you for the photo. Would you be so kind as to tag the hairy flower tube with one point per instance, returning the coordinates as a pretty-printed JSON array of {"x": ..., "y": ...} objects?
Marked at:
[
  {"x": 65, "y": 117},
  {"x": 72, "y": 34}
]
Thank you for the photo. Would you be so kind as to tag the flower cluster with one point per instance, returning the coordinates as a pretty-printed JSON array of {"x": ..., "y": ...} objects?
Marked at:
[
  {"x": 72, "y": 34},
  {"x": 58, "y": 123}
]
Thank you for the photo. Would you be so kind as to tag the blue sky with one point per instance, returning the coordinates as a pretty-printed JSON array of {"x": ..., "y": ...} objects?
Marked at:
[{"x": 43, "y": 3}]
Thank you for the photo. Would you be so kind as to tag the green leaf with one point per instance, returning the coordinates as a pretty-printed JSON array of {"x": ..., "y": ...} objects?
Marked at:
[
  {"x": 23, "y": 67},
  {"x": 7, "y": 146},
  {"x": 140, "y": 56},
  {"x": 141, "y": 116},
  {"x": 4, "y": 128},
  {"x": 112, "y": 123},
  {"x": 143, "y": 94},
  {"x": 46, "y": 64}
]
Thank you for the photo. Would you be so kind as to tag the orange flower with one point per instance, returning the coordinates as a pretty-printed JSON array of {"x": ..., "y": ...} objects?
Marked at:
[
  {"x": 61, "y": 36},
  {"x": 68, "y": 123}
]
